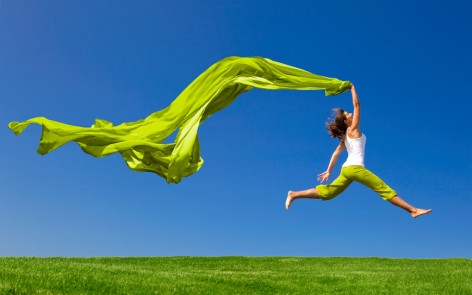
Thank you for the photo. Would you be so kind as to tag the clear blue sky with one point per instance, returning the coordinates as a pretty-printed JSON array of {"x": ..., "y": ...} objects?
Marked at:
[{"x": 74, "y": 61}]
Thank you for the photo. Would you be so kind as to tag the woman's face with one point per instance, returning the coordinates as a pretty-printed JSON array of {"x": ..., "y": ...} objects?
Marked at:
[{"x": 348, "y": 118}]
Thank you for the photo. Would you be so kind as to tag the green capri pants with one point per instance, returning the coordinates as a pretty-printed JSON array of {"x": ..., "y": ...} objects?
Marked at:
[{"x": 355, "y": 173}]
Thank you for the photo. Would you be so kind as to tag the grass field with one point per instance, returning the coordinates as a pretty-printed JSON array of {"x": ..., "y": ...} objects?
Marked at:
[{"x": 234, "y": 275}]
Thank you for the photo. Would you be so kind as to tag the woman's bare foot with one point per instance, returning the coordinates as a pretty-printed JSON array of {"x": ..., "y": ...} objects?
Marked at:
[
  {"x": 289, "y": 200},
  {"x": 419, "y": 212}
]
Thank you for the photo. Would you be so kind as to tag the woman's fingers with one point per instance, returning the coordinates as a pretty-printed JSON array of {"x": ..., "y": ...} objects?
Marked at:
[{"x": 323, "y": 176}]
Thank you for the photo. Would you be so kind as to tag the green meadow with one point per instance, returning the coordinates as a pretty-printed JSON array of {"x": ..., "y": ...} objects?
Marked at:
[{"x": 234, "y": 275}]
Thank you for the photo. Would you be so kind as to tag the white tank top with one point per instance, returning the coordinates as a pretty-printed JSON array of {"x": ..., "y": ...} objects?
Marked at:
[{"x": 355, "y": 150}]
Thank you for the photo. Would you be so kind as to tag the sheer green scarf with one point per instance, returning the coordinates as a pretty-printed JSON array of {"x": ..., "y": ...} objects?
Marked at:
[{"x": 141, "y": 143}]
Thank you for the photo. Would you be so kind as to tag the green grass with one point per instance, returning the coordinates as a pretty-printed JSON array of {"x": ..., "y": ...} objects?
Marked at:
[{"x": 234, "y": 275}]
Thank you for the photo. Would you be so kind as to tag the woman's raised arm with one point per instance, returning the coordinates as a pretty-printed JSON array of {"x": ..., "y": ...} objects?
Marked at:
[{"x": 354, "y": 128}]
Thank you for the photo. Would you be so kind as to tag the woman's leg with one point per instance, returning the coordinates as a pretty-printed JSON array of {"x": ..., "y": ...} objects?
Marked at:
[
  {"x": 369, "y": 179},
  {"x": 322, "y": 191},
  {"x": 415, "y": 212},
  {"x": 309, "y": 194}
]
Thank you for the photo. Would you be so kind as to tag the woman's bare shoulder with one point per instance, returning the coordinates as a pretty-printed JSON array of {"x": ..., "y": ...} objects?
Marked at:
[{"x": 354, "y": 133}]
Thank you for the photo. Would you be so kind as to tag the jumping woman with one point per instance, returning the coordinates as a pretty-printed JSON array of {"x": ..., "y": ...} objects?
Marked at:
[{"x": 345, "y": 127}]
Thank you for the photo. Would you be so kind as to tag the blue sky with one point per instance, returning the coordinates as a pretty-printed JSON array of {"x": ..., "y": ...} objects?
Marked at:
[{"x": 74, "y": 61}]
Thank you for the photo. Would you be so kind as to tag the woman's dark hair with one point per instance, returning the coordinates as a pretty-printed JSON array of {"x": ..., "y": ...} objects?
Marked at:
[{"x": 337, "y": 126}]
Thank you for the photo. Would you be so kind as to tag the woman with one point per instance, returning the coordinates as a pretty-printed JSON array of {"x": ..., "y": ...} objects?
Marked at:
[{"x": 345, "y": 127}]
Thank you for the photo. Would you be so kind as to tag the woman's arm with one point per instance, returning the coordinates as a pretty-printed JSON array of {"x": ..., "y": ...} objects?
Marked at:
[
  {"x": 354, "y": 130},
  {"x": 334, "y": 158}
]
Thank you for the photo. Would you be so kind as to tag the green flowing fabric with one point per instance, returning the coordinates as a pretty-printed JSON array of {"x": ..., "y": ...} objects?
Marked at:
[{"x": 141, "y": 144}]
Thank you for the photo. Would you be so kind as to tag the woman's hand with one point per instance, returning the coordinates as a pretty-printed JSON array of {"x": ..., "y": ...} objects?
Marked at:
[
  {"x": 323, "y": 176},
  {"x": 352, "y": 86}
]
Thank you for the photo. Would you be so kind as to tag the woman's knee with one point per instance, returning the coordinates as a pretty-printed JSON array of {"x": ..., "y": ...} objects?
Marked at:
[{"x": 329, "y": 191}]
